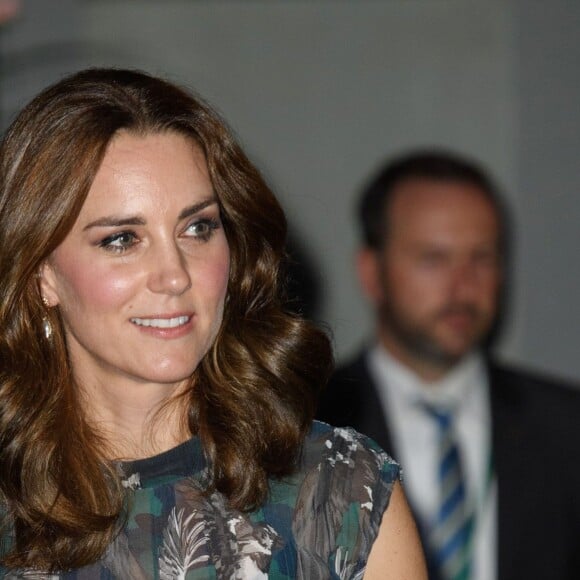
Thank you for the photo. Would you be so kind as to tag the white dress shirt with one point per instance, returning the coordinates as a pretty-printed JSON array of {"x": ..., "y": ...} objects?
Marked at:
[{"x": 415, "y": 437}]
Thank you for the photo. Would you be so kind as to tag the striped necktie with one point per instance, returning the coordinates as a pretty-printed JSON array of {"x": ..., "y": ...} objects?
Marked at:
[{"x": 450, "y": 533}]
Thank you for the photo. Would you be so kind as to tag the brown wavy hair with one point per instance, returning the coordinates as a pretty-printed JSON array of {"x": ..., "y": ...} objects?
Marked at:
[{"x": 251, "y": 399}]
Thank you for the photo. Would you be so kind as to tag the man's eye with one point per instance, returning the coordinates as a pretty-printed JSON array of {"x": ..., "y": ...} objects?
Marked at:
[
  {"x": 486, "y": 259},
  {"x": 119, "y": 242},
  {"x": 433, "y": 259}
]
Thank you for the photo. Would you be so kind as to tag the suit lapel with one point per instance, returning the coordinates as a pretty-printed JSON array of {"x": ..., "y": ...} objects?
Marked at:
[
  {"x": 372, "y": 417},
  {"x": 509, "y": 456}
]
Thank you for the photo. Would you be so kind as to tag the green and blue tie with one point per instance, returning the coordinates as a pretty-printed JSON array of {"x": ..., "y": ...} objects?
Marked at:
[{"x": 451, "y": 531}]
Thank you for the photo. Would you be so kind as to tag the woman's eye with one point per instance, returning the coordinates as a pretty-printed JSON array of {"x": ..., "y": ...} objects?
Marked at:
[
  {"x": 119, "y": 242},
  {"x": 202, "y": 229}
]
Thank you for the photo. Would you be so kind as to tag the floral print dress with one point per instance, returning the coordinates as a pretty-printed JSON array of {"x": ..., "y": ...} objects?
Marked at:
[{"x": 318, "y": 523}]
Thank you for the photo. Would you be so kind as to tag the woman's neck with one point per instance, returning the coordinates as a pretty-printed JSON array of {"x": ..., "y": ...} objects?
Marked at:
[{"x": 137, "y": 420}]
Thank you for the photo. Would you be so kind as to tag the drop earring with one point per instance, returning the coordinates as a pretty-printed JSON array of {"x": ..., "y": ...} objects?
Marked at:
[{"x": 46, "y": 325}]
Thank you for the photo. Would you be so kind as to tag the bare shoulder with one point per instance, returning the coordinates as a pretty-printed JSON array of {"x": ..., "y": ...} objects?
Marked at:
[{"x": 396, "y": 553}]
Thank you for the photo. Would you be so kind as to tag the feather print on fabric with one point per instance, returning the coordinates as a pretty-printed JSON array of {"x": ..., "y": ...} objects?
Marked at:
[
  {"x": 30, "y": 575},
  {"x": 344, "y": 567},
  {"x": 237, "y": 547},
  {"x": 346, "y": 475},
  {"x": 319, "y": 522},
  {"x": 183, "y": 541},
  {"x": 254, "y": 545}
]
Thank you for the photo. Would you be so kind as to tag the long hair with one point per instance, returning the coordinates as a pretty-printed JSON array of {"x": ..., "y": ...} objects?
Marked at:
[{"x": 252, "y": 397}]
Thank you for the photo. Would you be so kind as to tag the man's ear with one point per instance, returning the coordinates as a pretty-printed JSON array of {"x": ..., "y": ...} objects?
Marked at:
[
  {"x": 48, "y": 285},
  {"x": 368, "y": 265}
]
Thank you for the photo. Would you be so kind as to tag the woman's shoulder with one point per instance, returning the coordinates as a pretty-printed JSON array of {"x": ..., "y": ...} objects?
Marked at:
[
  {"x": 339, "y": 469},
  {"x": 339, "y": 495},
  {"x": 345, "y": 446},
  {"x": 344, "y": 467}
]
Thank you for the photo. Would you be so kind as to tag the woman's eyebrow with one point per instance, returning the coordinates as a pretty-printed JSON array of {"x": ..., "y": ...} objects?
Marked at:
[
  {"x": 193, "y": 209},
  {"x": 117, "y": 221},
  {"x": 114, "y": 221}
]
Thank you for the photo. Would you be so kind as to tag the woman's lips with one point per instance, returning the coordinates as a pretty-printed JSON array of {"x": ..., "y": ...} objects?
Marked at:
[
  {"x": 172, "y": 326},
  {"x": 172, "y": 322}
]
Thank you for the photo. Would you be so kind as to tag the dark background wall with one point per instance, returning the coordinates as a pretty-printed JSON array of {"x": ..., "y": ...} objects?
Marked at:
[{"x": 321, "y": 91}]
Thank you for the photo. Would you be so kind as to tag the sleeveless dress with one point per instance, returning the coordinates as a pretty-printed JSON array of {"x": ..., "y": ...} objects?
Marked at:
[{"x": 318, "y": 523}]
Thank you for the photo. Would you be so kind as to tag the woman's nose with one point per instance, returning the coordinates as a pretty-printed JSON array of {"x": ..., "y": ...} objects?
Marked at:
[{"x": 169, "y": 272}]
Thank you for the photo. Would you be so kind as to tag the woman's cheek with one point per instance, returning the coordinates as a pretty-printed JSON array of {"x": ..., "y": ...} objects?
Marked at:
[{"x": 100, "y": 287}]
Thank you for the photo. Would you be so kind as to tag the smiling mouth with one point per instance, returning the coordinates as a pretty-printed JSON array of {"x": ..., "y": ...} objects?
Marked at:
[{"x": 162, "y": 322}]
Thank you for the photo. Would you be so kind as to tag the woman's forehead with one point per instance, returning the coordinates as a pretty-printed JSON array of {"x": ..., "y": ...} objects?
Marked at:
[{"x": 153, "y": 172}]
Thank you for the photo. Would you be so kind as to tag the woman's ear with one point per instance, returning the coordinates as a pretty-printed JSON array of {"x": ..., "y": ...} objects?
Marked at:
[{"x": 48, "y": 285}]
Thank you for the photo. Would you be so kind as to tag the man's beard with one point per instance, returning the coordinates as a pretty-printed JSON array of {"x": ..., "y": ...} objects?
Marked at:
[{"x": 418, "y": 338}]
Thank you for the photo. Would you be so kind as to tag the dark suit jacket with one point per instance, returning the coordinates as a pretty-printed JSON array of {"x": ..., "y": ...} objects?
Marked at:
[{"x": 536, "y": 454}]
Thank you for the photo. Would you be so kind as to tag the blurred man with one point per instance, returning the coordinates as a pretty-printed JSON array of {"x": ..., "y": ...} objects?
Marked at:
[
  {"x": 8, "y": 9},
  {"x": 488, "y": 454}
]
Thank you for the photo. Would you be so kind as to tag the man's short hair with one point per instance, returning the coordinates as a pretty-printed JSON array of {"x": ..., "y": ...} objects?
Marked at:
[{"x": 431, "y": 164}]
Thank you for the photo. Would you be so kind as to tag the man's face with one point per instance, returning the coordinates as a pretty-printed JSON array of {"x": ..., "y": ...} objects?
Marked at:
[{"x": 435, "y": 282}]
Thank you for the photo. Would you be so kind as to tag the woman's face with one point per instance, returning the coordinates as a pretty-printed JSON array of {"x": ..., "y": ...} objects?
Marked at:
[{"x": 141, "y": 278}]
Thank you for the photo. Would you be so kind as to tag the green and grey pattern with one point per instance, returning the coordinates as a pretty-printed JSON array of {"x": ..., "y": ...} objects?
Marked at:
[{"x": 318, "y": 523}]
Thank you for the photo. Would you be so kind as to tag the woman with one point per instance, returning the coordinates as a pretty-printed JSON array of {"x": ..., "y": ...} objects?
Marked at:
[{"x": 156, "y": 398}]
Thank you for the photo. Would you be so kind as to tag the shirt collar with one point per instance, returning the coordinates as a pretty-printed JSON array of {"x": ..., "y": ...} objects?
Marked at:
[{"x": 451, "y": 391}]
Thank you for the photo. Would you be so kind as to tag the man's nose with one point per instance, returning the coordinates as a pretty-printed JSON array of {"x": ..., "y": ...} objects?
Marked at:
[{"x": 465, "y": 280}]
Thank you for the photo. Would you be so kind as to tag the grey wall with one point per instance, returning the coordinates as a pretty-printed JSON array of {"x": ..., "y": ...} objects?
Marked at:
[
  {"x": 321, "y": 91},
  {"x": 547, "y": 79}
]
